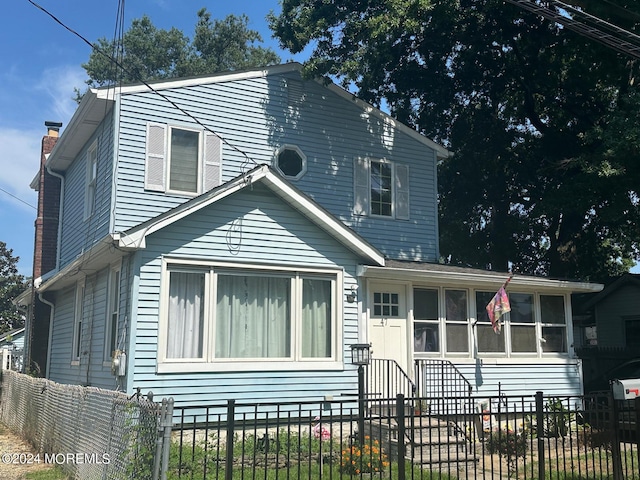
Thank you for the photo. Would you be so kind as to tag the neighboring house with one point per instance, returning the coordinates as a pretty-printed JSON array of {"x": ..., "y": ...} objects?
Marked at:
[
  {"x": 12, "y": 348},
  {"x": 232, "y": 236},
  {"x": 611, "y": 318},
  {"x": 608, "y": 327}
]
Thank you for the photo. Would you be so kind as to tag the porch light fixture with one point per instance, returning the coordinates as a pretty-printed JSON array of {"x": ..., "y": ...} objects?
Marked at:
[
  {"x": 361, "y": 354},
  {"x": 353, "y": 294}
]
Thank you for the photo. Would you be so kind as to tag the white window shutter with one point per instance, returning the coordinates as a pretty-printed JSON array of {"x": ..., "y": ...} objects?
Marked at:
[
  {"x": 212, "y": 161},
  {"x": 361, "y": 190},
  {"x": 156, "y": 156},
  {"x": 402, "y": 192}
]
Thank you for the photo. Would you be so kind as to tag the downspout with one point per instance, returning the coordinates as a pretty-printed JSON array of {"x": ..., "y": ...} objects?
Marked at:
[
  {"x": 52, "y": 309},
  {"x": 60, "y": 209}
]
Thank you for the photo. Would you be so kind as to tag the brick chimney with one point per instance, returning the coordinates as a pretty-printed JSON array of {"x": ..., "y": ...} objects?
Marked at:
[
  {"x": 46, "y": 224},
  {"x": 45, "y": 250}
]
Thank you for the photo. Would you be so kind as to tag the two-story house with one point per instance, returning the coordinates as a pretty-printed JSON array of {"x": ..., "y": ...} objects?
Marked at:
[{"x": 231, "y": 236}]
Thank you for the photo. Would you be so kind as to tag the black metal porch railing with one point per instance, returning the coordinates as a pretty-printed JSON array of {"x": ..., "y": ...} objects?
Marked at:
[{"x": 386, "y": 379}]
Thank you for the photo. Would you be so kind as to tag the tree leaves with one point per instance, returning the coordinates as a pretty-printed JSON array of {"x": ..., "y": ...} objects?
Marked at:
[
  {"x": 542, "y": 122},
  {"x": 12, "y": 284},
  {"x": 151, "y": 54}
]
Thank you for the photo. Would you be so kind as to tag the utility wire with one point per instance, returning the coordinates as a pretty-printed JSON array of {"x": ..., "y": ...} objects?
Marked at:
[
  {"x": 17, "y": 198},
  {"x": 146, "y": 84},
  {"x": 617, "y": 38}
]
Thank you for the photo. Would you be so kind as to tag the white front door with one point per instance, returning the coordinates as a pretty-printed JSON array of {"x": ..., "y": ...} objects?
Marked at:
[{"x": 388, "y": 323}]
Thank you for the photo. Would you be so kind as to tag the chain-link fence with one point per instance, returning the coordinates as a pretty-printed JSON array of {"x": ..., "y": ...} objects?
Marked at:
[{"x": 90, "y": 432}]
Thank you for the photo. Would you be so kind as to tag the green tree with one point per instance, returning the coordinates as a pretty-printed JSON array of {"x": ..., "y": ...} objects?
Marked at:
[
  {"x": 150, "y": 53},
  {"x": 542, "y": 122},
  {"x": 12, "y": 284}
]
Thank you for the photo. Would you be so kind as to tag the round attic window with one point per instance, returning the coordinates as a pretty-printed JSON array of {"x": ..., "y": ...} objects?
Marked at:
[{"x": 291, "y": 161}]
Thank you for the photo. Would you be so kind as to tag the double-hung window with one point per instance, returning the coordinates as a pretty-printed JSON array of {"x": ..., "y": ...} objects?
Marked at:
[
  {"x": 522, "y": 323},
  {"x": 91, "y": 180},
  {"x": 182, "y": 160},
  {"x": 111, "y": 333},
  {"x": 77, "y": 327},
  {"x": 381, "y": 188},
  {"x": 216, "y": 317}
]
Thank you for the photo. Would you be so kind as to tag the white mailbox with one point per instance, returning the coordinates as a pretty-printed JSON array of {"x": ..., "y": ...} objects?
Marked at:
[{"x": 626, "y": 389}]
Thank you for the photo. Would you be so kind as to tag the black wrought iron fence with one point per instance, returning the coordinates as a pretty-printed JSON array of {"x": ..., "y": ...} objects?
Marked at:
[{"x": 524, "y": 437}]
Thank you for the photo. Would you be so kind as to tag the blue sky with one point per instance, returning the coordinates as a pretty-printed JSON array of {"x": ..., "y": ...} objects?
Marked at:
[{"x": 40, "y": 68}]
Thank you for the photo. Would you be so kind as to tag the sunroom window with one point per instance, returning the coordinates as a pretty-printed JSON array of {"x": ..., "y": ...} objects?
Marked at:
[
  {"x": 426, "y": 332},
  {"x": 554, "y": 326},
  {"x": 218, "y": 315},
  {"x": 522, "y": 323}
]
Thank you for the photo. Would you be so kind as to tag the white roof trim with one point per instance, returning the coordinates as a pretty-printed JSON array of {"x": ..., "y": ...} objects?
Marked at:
[
  {"x": 108, "y": 93},
  {"x": 135, "y": 238},
  {"x": 490, "y": 280}
]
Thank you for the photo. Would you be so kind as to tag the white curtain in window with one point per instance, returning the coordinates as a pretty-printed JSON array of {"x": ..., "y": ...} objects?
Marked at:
[
  {"x": 316, "y": 318},
  {"x": 253, "y": 317},
  {"x": 186, "y": 315}
]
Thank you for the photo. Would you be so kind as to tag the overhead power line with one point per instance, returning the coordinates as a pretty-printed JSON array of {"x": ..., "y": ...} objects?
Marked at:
[
  {"x": 606, "y": 33},
  {"x": 145, "y": 83}
]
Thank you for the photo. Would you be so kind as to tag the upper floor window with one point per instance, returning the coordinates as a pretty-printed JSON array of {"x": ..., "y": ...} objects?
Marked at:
[
  {"x": 91, "y": 179},
  {"x": 182, "y": 160},
  {"x": 381, "y": 188},
  {"x": 291, "y": 162},
  {"x": 216, "y": 315}
]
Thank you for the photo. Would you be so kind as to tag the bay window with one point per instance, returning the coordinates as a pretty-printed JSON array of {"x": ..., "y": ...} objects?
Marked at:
[{"x": 215, "y": 315}]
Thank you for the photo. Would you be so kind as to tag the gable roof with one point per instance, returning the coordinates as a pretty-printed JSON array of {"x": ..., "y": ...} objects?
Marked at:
[
  {"x": 626, "y": 279},
  {"x": 13, "y": 333},
  {"x": 135, "y": 237},
  {"x": 97, "y": 103}
]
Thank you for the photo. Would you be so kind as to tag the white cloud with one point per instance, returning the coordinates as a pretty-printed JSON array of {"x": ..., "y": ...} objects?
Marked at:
[
  {"x": 49, "y": 97},
  {"x": 19, "y": 157},
  {"x": 58, "y": 84}
]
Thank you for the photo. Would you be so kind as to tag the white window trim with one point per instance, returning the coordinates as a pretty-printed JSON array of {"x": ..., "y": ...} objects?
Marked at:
[
  {"x": 158, "y": 158},
  {"x": 78, "y": 321},
  {"x": 115, "y": 269},
  {"x": 363, "y": 203},
  {"x": 393, "y": 188},
  {"x": 472, "y": 328},
  {"x": 91, "y": 181},
  {"x": 208, "y": 363},
  {"x": 200, "y": 161}
]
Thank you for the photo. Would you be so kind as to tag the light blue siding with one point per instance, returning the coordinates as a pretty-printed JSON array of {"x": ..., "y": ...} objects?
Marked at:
[
  {"x": 91, "y": 369},
  {"x": 271, "y": 233},
  {"x": 490, "y": 379},
  {"x": 77, "y": 233},
  {"x": 254, "y": 117}
]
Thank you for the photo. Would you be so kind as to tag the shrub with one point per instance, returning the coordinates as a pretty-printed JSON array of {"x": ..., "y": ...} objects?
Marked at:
[{"x": 509, "y": 443}]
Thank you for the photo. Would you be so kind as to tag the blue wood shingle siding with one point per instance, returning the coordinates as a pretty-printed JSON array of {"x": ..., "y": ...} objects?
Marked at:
[
  {"x": 271, "y": 233},
  {"x": 255, "y": 116}
]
